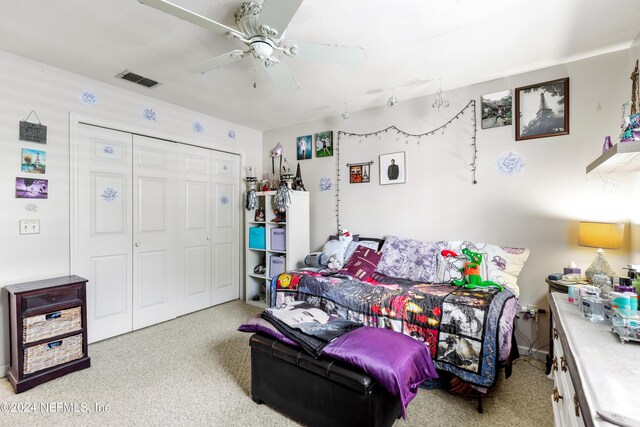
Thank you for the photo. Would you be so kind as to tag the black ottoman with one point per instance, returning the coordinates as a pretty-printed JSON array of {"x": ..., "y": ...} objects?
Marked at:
[{"x": 317, "y": 392}]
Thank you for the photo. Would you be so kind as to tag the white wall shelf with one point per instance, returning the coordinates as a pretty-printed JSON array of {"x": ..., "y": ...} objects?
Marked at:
[
  {"x": 622, "y": 157},
  {"x": 297, "y": 242}
]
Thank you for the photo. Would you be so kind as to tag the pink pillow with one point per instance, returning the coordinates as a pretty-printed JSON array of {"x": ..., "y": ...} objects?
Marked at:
[{"x": 362, "y": 263}]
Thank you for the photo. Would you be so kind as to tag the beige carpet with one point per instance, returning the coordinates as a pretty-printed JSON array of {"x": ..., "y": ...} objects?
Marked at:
[{"x": 195, "y": 370}]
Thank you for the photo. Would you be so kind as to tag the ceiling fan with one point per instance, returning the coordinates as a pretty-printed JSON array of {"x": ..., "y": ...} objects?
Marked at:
[{"x": 262, "y": 28}]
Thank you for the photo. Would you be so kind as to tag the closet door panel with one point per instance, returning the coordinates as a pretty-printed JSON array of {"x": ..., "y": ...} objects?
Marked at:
[
  {"x": 226, "y": 233},
  {"x": 101, "y": 184},
  {"x": 155, "y": 231},
  {"x": 194, "y": 224}
]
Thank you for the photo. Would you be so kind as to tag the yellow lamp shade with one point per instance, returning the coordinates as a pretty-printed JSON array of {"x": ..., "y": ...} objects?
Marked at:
[{"x": 600, "y": 235}]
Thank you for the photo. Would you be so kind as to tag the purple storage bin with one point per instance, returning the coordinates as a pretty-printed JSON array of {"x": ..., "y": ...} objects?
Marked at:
[
  {"x": 276, "y": 265},
  {"x": 278, "y": 240}
]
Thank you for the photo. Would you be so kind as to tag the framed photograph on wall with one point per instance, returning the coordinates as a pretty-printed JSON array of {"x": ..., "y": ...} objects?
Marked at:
[
  {"x": 29, "y": 188},
  {"x": 33, "y": 161},
  {"x": 359, "y": 173},
  {"x": 303, "y": 147},
  {"x": 496, "y": 109},
  {"x": 324, "y": 144},
  {"x": 542, "y": 110},
  {"x": 393, "y": 168}
]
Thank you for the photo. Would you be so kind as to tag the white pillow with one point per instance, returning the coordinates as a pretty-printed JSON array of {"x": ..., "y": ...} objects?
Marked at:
[{"x": 505, "y": 264}]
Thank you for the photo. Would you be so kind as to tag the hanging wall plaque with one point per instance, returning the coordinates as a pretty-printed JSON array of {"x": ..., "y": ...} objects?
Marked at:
[{"x": 33, "y": 132}]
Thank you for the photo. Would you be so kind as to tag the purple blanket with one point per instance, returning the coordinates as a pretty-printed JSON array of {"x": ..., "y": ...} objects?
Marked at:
[{"x": 398, "y": 362}]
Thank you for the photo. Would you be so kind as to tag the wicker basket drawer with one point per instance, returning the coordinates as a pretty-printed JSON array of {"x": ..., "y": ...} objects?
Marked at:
[
  {"x": 48, "y": 325},
  {"x": 54, "y": 353}
]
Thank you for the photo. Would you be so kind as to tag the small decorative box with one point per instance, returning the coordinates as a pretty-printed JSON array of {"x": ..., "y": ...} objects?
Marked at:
[{"x": 572, "y": 270}]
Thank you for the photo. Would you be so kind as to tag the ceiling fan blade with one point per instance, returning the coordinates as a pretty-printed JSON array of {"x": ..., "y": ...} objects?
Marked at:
[
  {"x": 346, "y": 55},
  {"x": 276, "y": 14},
  {"x": 217, "y": 62},
  {"x": 187, "y": 15},
  {"x": 282, "y": 77}
]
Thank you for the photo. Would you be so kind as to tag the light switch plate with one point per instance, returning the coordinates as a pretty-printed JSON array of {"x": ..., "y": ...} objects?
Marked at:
[{"x": 29, "y": 226}]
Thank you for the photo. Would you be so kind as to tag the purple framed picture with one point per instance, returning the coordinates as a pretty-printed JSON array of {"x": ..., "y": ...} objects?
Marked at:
[{"x": 29, "y": 188}]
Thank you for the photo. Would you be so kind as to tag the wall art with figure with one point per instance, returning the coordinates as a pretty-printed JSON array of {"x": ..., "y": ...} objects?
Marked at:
[
  {"x": 393, "y": 168},
  {"x": 303, "y": 147}
]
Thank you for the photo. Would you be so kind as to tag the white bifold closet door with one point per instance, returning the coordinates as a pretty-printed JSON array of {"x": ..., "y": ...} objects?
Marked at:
[
  {"x": 102, "y": 226},
  {"x": 154, "y": 231},
  {"x": 226, "y": 217},
  {"x": 194, "y": 228},
  {"x": 155, "y": 228}
]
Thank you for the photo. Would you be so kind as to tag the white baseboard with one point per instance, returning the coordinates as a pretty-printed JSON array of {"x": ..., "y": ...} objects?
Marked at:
[{"x": 540, "y": 355}]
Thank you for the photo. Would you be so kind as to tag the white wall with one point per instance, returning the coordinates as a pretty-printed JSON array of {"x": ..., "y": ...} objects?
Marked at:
[
  {"x": 538, "y": 209},
  {"x": 53, "y": 94}
]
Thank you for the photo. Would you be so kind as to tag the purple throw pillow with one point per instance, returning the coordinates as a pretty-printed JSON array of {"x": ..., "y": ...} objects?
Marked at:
[{"x": 362, "y": 263}]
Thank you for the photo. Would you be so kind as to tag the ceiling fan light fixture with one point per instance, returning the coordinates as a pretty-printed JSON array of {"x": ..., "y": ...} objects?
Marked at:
[
  {"x": 291, "y": 50},
  {"x": 271, "y": 61},
  {"x": 392, "y": 102},
  {"x": 261, "y": 50}
]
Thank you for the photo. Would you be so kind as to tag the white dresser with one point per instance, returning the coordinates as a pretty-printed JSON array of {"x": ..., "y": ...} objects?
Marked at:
[{"x": 591, "y": 368}]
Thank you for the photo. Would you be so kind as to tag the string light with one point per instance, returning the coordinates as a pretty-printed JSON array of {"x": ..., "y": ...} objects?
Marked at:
[{"x": 418, "y": 137}]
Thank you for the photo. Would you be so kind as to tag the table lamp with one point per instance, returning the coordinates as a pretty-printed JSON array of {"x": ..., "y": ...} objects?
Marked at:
[{"x": 601, "y": 235}]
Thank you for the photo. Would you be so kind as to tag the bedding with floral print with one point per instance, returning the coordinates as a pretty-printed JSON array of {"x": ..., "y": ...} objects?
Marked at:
[{"x": 410, "y": 259}]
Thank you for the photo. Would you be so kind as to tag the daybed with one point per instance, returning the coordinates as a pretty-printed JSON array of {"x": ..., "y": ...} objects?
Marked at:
[{"x": 469, "y": 332}]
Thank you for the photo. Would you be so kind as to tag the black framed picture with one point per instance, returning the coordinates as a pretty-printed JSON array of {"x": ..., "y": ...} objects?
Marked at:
[
  {"x": 542, "y": 110},
  {"x": 359, "y": 173}
]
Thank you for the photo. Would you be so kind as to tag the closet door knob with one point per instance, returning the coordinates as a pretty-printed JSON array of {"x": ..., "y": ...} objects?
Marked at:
[
  {"x": 138, "y": 244},
  {"x": 208, "y": 238}
]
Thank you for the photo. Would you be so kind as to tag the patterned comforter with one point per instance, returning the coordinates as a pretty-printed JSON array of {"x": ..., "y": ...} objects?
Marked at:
[{"x": 461, "y": 327}]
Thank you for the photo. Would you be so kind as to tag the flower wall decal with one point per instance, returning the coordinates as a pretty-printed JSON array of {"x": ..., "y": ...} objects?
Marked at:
[
  {"x": 88, "y": 98},
  {"x": 224, "y": 200},
  {"x": 109, "y": 194},
  {"x": 231, "y": 134},
  {"x": 197, "y": 127},
  {"x": 325, "y": 183},
  {"x": 510, "y": 163},
  {"x": 149, "y": 114},
  {"x": 108, "y": 149},
  {"x": 31, "y": 207}
]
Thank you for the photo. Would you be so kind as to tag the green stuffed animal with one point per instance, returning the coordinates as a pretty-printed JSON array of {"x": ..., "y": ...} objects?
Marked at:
[{"x": 471, "y": 278}]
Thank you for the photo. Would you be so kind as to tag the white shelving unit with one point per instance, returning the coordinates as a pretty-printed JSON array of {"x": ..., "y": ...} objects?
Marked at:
[
  {"x": 622, "y": 157},
  {"x": 296, "y": 229}
]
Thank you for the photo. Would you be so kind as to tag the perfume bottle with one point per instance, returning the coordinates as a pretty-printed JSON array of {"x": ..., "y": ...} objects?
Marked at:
[{"x": 592, "y": 306}]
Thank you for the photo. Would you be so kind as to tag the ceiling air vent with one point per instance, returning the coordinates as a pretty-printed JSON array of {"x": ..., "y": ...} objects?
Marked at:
[{"x": 138, "y": 79}]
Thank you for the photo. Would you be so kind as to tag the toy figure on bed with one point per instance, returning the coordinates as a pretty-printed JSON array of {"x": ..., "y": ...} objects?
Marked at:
[{"x": 471, "y": 278}]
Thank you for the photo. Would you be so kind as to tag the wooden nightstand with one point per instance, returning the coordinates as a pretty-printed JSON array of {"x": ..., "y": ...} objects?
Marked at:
[{"x": 48, "y": 330}]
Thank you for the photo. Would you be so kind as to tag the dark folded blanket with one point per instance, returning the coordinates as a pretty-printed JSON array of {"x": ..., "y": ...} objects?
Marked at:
[{"x": 308, "y": 325}]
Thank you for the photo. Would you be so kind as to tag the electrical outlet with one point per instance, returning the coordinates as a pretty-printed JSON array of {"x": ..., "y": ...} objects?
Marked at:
[{"x": 29, "y": 226}]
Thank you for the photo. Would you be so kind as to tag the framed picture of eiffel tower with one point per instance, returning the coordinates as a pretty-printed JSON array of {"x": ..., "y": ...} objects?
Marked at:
[{"x": 542, "y": 110}]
